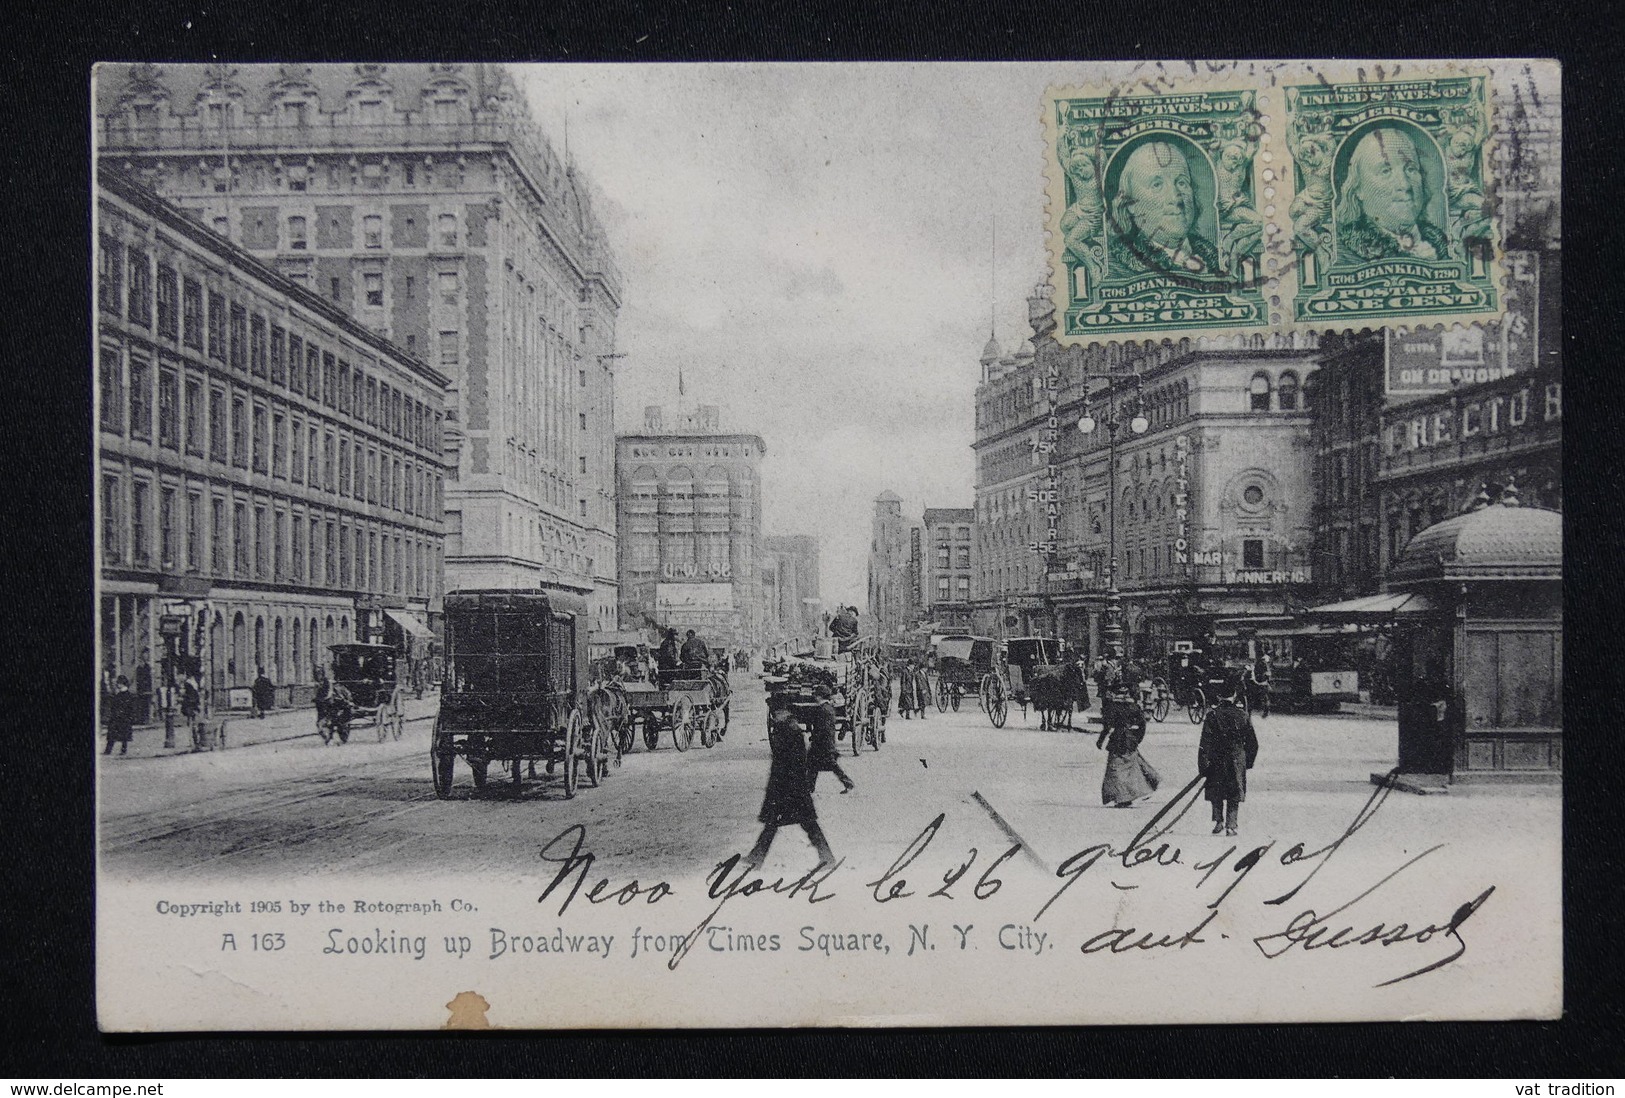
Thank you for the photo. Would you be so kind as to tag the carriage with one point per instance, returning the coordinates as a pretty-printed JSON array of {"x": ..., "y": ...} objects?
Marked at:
[
  {"x": 683, "y": 701},
  {"x": 853, "y": 678},
  {"x": 515, "y": 690},
  {"x": 377, "y": 678},
  {"x": 965, "y": 664},
  {"x": 1023, "y": 657}
]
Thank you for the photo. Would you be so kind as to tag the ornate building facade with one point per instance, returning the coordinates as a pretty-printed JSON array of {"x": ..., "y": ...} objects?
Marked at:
[
  {"x": 690, "y": 505},
  {"x": 422, "y": 200},
  {"x": 1213, "y": 501},
  {"x": 270, "y": 475}
]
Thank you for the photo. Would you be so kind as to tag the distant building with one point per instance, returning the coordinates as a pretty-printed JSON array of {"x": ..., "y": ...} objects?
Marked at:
[
  {"x": 270, "y": 471},
  {"x": 946, "y": 567},
  {"x": 888, "y": 566},
  {"x": 795, "y": 609},
  {"x": 423, "y": 200},
  {"x": 690, "y": 504}
]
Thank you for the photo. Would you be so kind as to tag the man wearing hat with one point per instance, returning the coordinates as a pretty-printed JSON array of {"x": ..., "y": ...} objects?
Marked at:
[
  {"x": 1226, "y": 752},
  {"x": 789, "y": 785}
]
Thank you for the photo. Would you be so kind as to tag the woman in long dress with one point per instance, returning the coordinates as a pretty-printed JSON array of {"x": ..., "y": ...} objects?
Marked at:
[{"x": 1129, "y": 777}]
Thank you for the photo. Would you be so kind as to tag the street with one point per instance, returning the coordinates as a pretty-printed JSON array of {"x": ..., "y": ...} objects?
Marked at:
[{"x": 295, "y": 807}]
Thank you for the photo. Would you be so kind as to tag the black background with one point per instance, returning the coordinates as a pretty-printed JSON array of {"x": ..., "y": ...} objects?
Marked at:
[{"x": 47, "y": 773}]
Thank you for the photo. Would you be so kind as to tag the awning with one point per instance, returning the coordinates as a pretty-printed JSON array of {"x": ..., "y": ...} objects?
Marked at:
[
  {"x": 1375, "y": 607},
  {"x": 411, "y": 623}
]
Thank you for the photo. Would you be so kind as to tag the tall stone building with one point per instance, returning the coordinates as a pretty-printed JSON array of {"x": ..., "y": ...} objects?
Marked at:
[
  {"x": 1212, "y": 512},
  {"x": 795, "y": 609},
  {"x": 422, "y": 200},
  {"x": 946, "y": 567},
  {"x": 269, "y": 470},
  {"x": 889, "y": 596},
  {"x": 691, "y": 528}
]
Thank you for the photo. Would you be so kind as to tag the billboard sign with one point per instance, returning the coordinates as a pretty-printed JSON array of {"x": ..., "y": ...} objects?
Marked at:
[
  {"x": 686, "y": 598},
  {"x": 1436, "y": 360}
]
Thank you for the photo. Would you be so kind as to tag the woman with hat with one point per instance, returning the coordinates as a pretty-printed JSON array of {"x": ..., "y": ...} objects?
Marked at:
[{"x": 1227, "y": 751}]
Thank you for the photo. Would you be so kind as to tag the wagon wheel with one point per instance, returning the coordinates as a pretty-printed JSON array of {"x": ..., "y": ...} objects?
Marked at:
[
  {"x": 1164, "y": 703},
  {"x": 727, "y": 716},
  {"x": 1196, "y": 708},
  {"x": 572, "y": 749},
  {"x": 441, "y": 761},
  {"x": 605, "y": 727},
  {"x": 626, "y": 729},
  {"x": 651, "y": 731},
  {"x": 876, "y": 721},
  {"x": 398, "y": 717},
  {"x": 711, "y": 730},
  {"x": 995, "y": 702},
  {"x": 594, "y": 751},
  {"x": 953, "y": 697},
  {"x": 682, "y": 723},
  {"x": 942, "y": 697},
  {"x": 380, "y": 721},
  {"x": 857, "y": 711}
]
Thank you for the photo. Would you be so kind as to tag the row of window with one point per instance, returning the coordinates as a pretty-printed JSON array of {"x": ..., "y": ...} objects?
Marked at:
[
  {"x": 962, "y": 558},
  {"x": 303, "y": 109},
  {"x": 333, "y": 233},
  {"x": 190, "y": 528},
  {"x": 228, "y": 426},
  {"x": 961, "y": 588},
  {"x": 226, "y": 332}
]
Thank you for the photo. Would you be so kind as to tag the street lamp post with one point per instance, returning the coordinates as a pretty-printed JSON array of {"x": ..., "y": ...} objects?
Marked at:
[{"x": 1112, "y": 629}]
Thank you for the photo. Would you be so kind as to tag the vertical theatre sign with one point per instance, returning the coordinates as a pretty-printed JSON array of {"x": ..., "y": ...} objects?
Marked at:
[
  {"x": 1182, "y": 510},
  {"x": 915, "y": 564},
  {"x": 1045, "y": 444}
]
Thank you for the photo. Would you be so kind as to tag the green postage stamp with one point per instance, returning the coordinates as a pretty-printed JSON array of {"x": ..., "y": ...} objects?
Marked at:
[
  {"x": 1390, "y": 219},
  {"x": 1272, "y": 196},
  {"x": 1156, "y": 228}
]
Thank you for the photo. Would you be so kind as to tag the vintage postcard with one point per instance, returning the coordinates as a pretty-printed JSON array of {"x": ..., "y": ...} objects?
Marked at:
[{"x": 748, "y": 545}]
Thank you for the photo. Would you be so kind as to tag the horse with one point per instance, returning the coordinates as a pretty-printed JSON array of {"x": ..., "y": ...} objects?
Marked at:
[{"x": 1054, "y": 690}]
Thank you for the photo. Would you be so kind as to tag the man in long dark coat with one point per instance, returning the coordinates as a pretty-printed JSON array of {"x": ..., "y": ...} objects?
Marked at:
[
  {"x": 1227, "y": 750},
  {"x": 264, "y": 691},
  {"x": 120, "y": 713},
  {"x": 789, "y": 786}
]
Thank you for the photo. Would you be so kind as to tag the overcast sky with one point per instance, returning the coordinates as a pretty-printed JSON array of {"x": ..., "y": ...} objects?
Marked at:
[{"x": 811, "y": 245}]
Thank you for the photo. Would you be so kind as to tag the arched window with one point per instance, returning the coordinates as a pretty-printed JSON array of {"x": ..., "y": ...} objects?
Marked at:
[
  {"x": 344, "y": 628},
  {"x": 1286, "y": 396},
  {"x": 295, "y": 666},
  {"x": 239, "y": 651},
  {"x": 259, "y": 644},
  {"x": 1258, "y": 393},
  {"x": 315, "y": 644},
  {"x": 278, "y": 667}
]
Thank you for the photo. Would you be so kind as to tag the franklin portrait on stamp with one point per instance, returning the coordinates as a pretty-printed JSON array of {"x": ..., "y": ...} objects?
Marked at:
[
  {"x": 1154, "y": 215},
  {"x": 1383, "y": 205}
]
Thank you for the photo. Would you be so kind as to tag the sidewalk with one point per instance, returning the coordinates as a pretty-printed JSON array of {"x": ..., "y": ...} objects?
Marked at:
[{"x": 243, "y": 730}]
